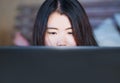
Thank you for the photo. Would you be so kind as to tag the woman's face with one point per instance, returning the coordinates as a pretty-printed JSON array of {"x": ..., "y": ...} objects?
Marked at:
[{"x": 59, "y": 31}]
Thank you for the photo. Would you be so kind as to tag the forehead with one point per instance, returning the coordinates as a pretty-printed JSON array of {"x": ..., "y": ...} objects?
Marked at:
[{"x": 58, "y": 20}]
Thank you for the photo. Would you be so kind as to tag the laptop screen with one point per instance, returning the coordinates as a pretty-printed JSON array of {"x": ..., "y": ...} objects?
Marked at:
[{"x": 59, "y": 65}]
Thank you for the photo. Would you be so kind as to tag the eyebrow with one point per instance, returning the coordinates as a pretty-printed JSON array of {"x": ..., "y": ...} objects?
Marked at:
[
  {"x": 57, "y": 29},
  {"x": 52, "y": 28},
  {"x": 68, "y": 28}
]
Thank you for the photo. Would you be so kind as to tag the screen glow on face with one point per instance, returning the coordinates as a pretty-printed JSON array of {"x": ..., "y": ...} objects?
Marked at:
[{"x": 59, "y": 31}]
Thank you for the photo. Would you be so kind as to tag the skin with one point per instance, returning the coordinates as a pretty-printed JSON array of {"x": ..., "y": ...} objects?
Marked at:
[{"x": 59, "y": 31}]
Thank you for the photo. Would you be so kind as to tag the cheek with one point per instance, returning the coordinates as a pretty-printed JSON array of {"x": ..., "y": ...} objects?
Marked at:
[
  {"x": 50, "y": 40},
  {"x": 71, "y": 41}
]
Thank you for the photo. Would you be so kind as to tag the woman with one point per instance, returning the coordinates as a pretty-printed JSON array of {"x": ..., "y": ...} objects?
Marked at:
[{"x": 62, "y": 23}]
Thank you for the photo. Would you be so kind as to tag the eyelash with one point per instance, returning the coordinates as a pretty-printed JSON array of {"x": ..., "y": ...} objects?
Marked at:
[
  {"x": 70, "y": 33},
  {"x": 53, "y": 33}
]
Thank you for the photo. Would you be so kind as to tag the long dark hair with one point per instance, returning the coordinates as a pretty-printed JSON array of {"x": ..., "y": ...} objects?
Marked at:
[{"x": 82, "y": 30}]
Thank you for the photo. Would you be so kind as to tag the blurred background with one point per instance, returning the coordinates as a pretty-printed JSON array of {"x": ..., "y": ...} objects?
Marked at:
[{"x": 17, "y": 20}]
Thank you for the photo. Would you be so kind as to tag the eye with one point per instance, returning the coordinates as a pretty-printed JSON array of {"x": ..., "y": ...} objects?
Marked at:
[
  {"x": 70, "y": 32},
  {"x": 52, "y": 33}
]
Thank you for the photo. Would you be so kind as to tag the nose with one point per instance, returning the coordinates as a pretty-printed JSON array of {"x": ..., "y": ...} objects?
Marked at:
[{"x": 61, "y": 41}]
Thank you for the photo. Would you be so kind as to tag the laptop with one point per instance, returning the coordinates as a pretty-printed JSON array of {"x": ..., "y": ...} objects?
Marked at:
[{"x": 36, "y": 64}]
